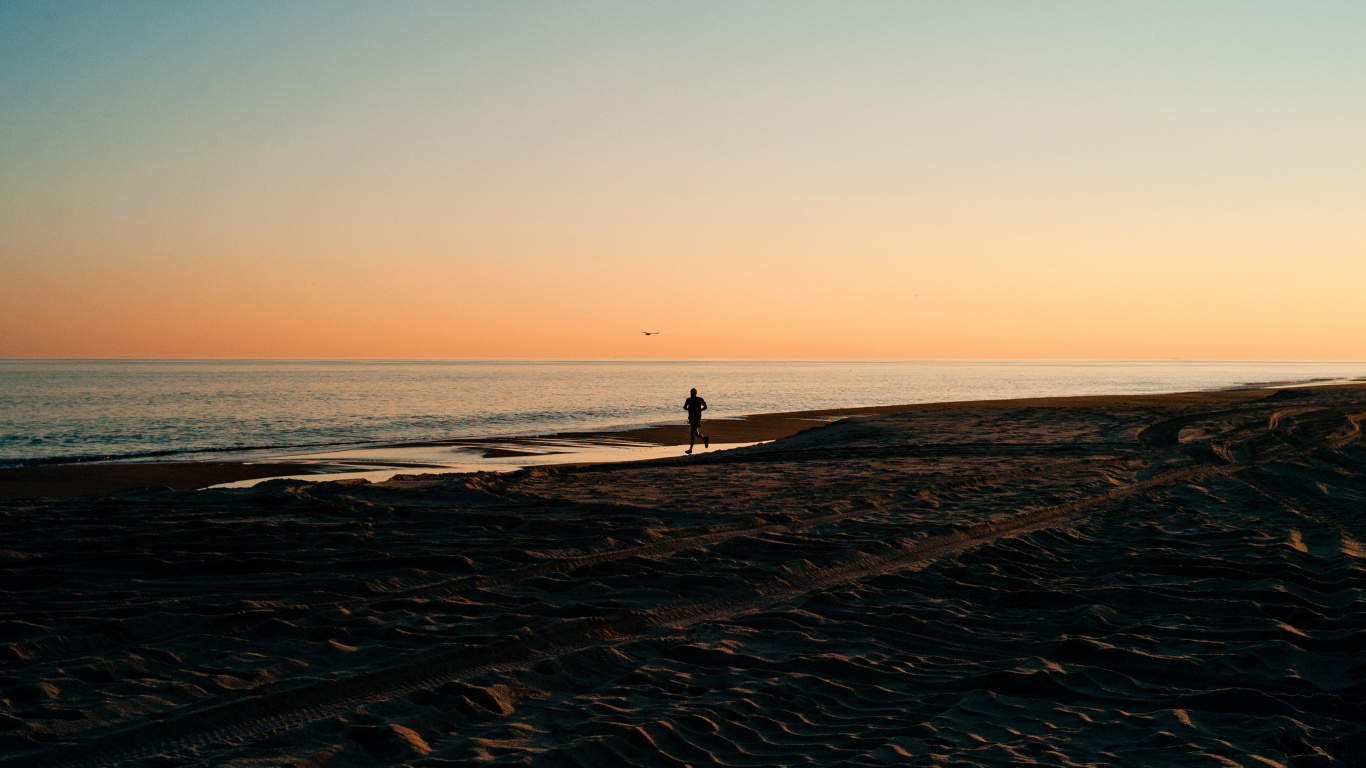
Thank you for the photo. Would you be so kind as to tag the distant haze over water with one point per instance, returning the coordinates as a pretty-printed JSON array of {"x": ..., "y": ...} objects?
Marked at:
[{"x": 59, "y": 409}]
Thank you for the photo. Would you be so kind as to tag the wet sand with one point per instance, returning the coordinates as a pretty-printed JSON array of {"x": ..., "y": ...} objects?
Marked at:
[
  {"x": 1118, "y": 581},
  {"x": 68, "y": 480},
  {"x": 62, "y": 481},
  {"x": 71, "y": 480}
]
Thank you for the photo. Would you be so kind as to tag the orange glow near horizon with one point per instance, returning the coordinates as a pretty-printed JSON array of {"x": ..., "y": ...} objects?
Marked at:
[{"x": 1013, "y": 188}]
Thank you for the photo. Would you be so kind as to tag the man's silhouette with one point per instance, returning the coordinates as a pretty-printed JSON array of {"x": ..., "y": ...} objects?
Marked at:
[{"x": 695, "y": 406}]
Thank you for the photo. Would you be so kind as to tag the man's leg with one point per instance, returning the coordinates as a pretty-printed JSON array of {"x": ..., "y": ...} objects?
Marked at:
[{"x": 692, "y": 437}]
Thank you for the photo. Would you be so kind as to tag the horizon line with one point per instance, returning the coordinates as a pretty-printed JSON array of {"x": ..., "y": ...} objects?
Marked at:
[{"x": 691, "y": 359}]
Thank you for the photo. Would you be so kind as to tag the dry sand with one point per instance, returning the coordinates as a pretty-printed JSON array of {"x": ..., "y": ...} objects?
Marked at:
[{"x": 1121, "y": 581}]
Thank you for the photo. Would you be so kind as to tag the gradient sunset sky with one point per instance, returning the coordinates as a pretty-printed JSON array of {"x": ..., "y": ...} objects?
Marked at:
[{"x": 849, "y": 180}]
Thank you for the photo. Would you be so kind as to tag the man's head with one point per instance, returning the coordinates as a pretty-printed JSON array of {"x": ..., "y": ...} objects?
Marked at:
[{"x": 694, "y": 392}]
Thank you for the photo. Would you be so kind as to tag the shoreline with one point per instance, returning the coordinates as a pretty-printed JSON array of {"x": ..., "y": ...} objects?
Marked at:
[{"x": 52, "y": 481}]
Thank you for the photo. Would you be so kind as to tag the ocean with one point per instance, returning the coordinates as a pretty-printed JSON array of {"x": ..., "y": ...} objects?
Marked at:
[{"x": 68, "y": 410}]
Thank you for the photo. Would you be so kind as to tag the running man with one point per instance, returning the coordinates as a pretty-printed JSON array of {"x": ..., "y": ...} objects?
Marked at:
[{"x": 695, "y": 406}]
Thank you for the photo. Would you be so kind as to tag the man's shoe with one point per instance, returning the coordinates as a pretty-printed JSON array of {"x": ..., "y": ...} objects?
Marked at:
[
  {"x": 689, "y": 451},
  {"x": 706, "y": 442}
]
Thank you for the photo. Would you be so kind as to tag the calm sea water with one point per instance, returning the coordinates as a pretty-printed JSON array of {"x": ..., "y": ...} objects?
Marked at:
[{"x": 67, "y": 409}]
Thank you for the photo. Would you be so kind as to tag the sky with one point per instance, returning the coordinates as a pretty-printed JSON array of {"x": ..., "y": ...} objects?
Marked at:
[{"x": 1078, "y": 180}]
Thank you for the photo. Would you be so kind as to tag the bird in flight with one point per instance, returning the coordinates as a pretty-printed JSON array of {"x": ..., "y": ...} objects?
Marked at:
[{"x": 650, "y": 333}]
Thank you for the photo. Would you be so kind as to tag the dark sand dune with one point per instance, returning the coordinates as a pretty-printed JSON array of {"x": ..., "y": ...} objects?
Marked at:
[{"x": 1116, "y": 581}]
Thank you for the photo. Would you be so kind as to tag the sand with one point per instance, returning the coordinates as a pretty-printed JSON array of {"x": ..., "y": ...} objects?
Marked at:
[
  {"x": 1116, "y": 581},
  {"x": 69, "y": 480}
]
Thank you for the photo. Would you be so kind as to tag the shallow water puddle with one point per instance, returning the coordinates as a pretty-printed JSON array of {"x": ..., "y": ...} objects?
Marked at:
[{"x": 382, "y": 463}]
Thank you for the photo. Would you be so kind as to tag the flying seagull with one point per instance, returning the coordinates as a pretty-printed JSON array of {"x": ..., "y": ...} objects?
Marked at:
[{"x": 650, "y": 333}]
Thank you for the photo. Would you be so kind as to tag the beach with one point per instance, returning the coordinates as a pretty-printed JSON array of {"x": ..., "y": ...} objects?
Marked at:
[{"x": 1131, "y": 580}]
